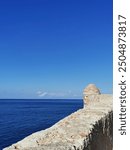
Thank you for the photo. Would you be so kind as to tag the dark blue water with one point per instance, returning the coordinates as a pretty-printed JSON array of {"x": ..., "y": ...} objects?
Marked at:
[{"x": 20, "y": 118}]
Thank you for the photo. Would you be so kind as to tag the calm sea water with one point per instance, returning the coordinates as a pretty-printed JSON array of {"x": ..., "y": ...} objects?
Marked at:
[{"x": 20, "y": 118}]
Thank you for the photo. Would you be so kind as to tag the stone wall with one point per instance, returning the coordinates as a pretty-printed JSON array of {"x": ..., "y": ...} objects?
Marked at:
[
  {"x": 101, "y": 136},
  {"x": 90, "y": 128}
]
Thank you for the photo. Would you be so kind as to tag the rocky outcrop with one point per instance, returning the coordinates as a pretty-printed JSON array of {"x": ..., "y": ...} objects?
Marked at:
[{"x": 89, "y": 128}]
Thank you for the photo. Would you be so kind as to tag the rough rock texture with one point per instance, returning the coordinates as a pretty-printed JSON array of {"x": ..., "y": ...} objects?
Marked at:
[
  {"x": 91, "y": 89},
  {"x": 90, "y": 93},
  {"x": 87, "y": 129}
]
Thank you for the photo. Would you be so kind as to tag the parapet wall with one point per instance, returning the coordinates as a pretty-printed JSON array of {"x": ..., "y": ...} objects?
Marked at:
[
  {"x": 101, "y": 136},
  {"x": 89, "y": 128}
]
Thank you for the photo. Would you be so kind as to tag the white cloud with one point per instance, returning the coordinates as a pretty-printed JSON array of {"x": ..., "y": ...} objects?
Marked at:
[
  {"x": 41, "y": 93},
  {"x": 69, "y": 94}
]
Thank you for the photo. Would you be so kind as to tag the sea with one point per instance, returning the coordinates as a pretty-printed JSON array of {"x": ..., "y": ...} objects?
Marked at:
[{"x": 22, "y": 117}]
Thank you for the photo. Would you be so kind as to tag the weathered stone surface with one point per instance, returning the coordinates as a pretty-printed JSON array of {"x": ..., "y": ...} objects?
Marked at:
[
  {"x": 86, "y": 129},
  {"x": 90, "y": 93},
  {"x": 91, "y": 89}
]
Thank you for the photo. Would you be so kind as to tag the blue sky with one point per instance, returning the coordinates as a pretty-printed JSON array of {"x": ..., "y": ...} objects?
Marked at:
[{"x": 54, "y": 48}]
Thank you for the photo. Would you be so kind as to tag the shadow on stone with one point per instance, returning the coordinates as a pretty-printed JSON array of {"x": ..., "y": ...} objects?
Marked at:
[{"x": 101, "y": 137}]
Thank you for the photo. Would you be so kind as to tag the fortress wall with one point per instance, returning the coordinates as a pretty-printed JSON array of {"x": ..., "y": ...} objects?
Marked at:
[{"x": 90, "y": 128}]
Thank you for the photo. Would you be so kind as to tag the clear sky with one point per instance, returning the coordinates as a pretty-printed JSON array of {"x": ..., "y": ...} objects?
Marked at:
[{"x": 54, "y": 48}]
